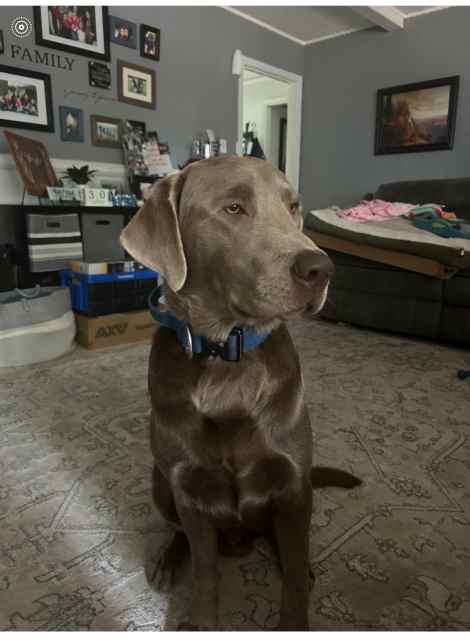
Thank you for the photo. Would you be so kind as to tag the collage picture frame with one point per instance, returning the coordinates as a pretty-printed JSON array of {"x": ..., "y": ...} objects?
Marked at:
[{"x": 81, "y": 30}]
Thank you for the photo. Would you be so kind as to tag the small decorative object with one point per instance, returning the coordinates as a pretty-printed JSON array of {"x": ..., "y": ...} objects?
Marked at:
[
  {"x": 106, "y": 132},
  {"x": 115, "y": 185},
  {"x": 71, "y": 124},
  {"x": 33, "y": 164},
  {"x": 151, "y": 154},
  {"x": 196, "y": 149},
  {"x": 123, "y": 32},
  {"x": 222, "y": 146},
  {"x": 99, "y": 75},
  {"x": 157, "y": 157},
  {"x": 136, "y": 85},
  {"x": 124, "y": 200},
  {"x": 97, "y": 197},
  {"x": 25, "y": 99},
  {"x": 416, "y": 117},
  {"x": 2, "y": 43},
  {"x": 82, "y": 30},
  {"x": 80, "y": 175},
  {"x": 149, "y": 42},
  {"x": 65, "y": 194}
]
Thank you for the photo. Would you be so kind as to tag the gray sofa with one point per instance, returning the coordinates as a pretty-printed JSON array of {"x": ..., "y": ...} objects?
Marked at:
[{"x": 375, "y": 295}]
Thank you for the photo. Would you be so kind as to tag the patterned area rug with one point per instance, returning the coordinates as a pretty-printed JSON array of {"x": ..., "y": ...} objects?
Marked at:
[{"x": 78, "y": 527}]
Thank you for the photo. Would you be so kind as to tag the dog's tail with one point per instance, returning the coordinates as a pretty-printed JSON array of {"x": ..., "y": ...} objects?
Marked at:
[{"x": 329, "y": 477}]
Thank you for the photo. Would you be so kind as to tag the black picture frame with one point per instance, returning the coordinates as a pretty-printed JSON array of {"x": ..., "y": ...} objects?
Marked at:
[
  {"x": 44, "y": 41},
  {"x": 65, "y": 134},
  {"x": 144, "y": 30},
  {"x": 49, "y": 114},
  {"x": 397, "y": 131},
  {"x": 99, "y": 75},
  {"x": 2, "y": 42},
  {"x": 138, "y": 126},
  {"x": 115, "y": 21}
]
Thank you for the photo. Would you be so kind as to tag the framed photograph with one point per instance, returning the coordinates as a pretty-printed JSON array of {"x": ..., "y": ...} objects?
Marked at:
[
  {"x": 416, "y": 117},
  {"x": 135, "y": 126},
  {"x": 71, "y": 124},
  {"x": 137, "y": 85},
  {"x": 149, "y": 42},
  {"x": 2, "y": 43},
  {"x": 33, "y": 163},
  {"x": 106, "y": 132},
  {"x": 99, "y": 75},
  {"x": 83, "y": 30},
  {"x": 123, "y": 32},
  {"x": 25, "y": 99}
]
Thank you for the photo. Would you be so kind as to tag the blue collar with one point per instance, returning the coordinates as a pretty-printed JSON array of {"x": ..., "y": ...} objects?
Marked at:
[{"x": 239, "y": 341}]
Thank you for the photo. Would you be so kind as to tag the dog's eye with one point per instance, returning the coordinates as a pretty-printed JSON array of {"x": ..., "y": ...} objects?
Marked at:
[
  {"x": 294, "y": 208},
  {"x": 234, "y": 208}
]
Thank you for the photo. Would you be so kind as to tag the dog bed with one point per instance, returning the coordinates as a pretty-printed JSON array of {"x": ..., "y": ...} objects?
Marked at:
[
  {"x": 37, "y": 342},
  {"x": 397, "y": 234},
  {"x": 35, "y": 325}
]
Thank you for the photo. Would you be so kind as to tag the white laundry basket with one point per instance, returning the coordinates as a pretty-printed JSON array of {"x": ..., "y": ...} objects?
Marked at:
[{"x": 35, "y": 325}]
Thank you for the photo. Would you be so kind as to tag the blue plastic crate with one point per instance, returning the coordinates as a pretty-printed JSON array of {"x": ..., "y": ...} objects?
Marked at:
[{"x": 102, "y": 294}]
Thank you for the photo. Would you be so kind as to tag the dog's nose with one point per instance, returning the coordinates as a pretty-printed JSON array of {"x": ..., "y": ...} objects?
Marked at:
[{"x": 313, "y": 267}]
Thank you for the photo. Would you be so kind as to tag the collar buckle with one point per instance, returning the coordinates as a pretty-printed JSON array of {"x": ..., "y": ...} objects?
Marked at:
[{"x": 232, "y": 350}]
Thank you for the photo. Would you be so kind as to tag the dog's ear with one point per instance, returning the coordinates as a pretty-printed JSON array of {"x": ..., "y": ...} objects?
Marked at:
[{"x": 153, "y": 235}]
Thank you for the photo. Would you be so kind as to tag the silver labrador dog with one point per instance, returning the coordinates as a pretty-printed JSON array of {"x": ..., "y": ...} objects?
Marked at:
[{"x": 230, "y": 431}]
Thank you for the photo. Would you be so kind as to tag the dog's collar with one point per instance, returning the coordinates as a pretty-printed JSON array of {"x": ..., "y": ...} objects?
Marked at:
[{"x": 239, "y": 341}]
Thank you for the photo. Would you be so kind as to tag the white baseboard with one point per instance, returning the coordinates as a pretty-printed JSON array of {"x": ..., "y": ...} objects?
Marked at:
[{"x": 11, "y": 185}]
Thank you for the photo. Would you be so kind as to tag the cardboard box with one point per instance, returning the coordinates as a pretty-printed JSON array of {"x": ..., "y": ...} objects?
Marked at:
[
  {"x": 114, "y": 329},
  {"x": 116, "y": 266}
]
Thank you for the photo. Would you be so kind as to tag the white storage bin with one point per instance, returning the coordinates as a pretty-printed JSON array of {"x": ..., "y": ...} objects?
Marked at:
[{"x": 37, "y": 342}]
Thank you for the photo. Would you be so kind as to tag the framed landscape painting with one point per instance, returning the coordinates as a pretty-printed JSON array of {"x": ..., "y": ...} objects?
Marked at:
[
  {"x": 83, "y": 30},
  {"x": 25, "y": 99},
  {"x": 416, "y": 117}
]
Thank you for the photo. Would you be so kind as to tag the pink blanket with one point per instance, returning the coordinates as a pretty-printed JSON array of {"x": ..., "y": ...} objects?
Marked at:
[{"x": 375, "y": 210}]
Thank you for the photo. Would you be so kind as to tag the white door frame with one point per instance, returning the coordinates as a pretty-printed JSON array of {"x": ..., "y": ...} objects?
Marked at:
[
  {"x": 272, "y": 102},
  {"x": 294, "y": 108}
]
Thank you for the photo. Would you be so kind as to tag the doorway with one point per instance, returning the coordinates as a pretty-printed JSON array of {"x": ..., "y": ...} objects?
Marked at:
[
  {"x": 270, "y": 100},
  {"x": 265, "y": 102}
]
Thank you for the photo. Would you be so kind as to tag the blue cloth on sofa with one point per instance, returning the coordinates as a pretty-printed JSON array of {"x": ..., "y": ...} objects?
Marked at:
[{"x": 429, "y": 220}]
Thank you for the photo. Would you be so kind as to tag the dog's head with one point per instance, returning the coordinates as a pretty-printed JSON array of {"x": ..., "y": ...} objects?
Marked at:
[{"x": 226, "y": 235}]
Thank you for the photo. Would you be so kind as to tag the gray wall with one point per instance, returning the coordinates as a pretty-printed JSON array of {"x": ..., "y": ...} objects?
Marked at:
[
  {"x": 341, "y": 77},
  {"x": 195, "y": 86}
]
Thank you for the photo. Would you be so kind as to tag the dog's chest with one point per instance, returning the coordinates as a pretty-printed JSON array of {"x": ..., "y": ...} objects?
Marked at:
[
  {"x": 228, "y": 391},
  {"x": 231, "y": 412}
]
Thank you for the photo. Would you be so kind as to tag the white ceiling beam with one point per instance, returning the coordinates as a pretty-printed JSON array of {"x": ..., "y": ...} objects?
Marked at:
[{"x": 388, "y": 18}]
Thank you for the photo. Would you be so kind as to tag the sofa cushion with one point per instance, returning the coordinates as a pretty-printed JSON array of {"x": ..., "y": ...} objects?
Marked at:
[
  {"x": 358, "y": 274},
  {"x": 457, "y": 289},
  {"x": 455, "y": 324},
  {"x": 452, "y": 192},
  {"x": 384, "y": 312}
]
